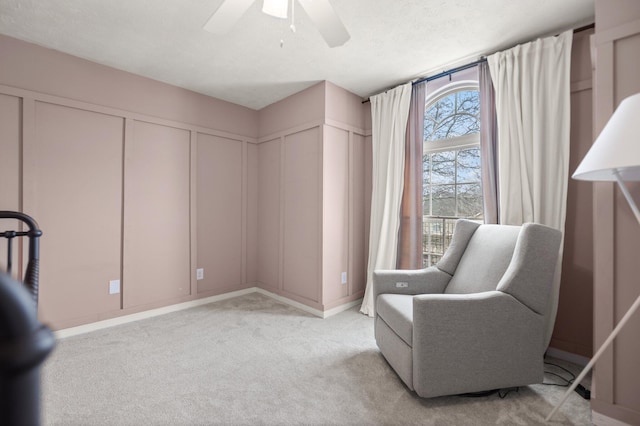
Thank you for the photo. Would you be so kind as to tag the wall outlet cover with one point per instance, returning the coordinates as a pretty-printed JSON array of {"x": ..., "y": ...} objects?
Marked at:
[
  {"x": 114, "y": 286},
  {"x": 344, "y": 278},
  {"x": 200, "y": 274}
]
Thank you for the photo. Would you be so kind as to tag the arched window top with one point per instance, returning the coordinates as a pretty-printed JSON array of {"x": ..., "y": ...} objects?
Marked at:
[
  {"x": 451, "y": 169},
  {"x": 452, "y": 111}
]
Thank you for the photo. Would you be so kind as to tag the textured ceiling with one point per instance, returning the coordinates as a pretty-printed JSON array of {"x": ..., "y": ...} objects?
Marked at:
[{"x": 392, "y": 41}]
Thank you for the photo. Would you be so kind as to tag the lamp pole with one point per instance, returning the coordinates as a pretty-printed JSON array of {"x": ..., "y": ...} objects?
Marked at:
[{"x": 622, "y": 322}]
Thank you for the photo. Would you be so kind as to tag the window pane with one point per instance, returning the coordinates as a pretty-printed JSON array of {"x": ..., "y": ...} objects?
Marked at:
[
  {"x": 454, "y": 115},
  {"x": 433, "y": 241},
  {"x": 443, "y": 200},
  {"x": 426, "y": 200},
  {"x": 443, "y": 167},
  {"x": 468, "y": 169},
  {"x": 452, "y": 178},
  {"x": 426, "y": 169},
  {"x": 470, "y": 200}
]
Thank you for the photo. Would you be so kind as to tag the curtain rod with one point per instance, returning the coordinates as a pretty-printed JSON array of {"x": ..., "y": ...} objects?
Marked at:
[
  {"x": 444, "y": 73},
  {"x": 473, "y": 64},
  {"x": 451, "y": 71}
]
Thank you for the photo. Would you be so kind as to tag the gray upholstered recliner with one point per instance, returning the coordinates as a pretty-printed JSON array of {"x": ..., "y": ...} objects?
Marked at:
[{"x": 477, "y": 320}]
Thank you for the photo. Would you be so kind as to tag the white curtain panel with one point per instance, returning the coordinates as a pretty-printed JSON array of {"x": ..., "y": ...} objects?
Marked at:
[
  {"x": 389, "y": 114},
  {"x": 532, "y": 87}
]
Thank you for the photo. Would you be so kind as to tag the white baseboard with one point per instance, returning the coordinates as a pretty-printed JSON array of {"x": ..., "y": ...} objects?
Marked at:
[
  {"x": 568, "y": 356},
  {"x": 293, "y": 303},
  {"x": 308, "y": 309},
  {"x": 99, "y": 325},
  {"x": 341, "y": 308},
  {"x": 601, "y": 420}
]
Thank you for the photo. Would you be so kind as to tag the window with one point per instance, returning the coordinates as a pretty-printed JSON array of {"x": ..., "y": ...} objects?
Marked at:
[{"x": 451, "y": 164}]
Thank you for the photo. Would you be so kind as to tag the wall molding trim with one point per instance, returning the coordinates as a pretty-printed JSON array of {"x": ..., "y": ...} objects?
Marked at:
[
  {"x": 602, "y": 420},
  {"x": 579, "y": 86},
  {"x": 125, "y": 319},
  {"x": 568, "y": 356},
  {"x": 281, "y": 134},
  {"x": 117, "y": 112},
  {"x": 618, "y": 32},
  {"x": 343, "y": 126}
]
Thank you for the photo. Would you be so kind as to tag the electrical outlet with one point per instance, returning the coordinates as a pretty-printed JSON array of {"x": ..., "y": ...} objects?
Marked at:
[
  {"x": 402, "y": 284},
  {"x": 344, "y": 278},
  {"x": 200, "y": 274},
  {"x": 114, "y": 286}
]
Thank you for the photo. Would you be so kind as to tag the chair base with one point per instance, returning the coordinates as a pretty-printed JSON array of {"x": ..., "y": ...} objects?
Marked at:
[
  {"x": 397, "y": 353},
  {"x": 480, "y": 394}
]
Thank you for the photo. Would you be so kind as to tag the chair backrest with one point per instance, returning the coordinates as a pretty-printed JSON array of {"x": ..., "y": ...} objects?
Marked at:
[
  {"x": 531, "y": 272},
  {"x": 518, "y": 260},
  {"x": 485, "y": 258}
]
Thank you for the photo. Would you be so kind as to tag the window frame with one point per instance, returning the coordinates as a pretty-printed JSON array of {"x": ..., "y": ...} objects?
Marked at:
[
  {"x": 434, "y": 244},
  {"x": 459, "y": 142},
  {"x": 456, "y": 144}
]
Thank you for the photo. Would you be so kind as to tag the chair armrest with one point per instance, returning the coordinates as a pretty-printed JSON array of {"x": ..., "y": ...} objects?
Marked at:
[
  {"x": 420, "y": 281},
  {"x": 474, "y": 342}
]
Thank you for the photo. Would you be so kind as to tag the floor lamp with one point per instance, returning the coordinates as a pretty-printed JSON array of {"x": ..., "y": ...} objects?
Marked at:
[{"x": 614, "y": 156}]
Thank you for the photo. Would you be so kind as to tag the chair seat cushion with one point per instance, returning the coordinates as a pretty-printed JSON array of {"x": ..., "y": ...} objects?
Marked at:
[{"x": 396, "y": 310}]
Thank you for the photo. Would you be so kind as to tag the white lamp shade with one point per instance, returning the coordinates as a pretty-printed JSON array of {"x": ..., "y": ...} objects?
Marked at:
[
  {"x": 617, "y": 147},
  {"x": 277, "y": 8}
]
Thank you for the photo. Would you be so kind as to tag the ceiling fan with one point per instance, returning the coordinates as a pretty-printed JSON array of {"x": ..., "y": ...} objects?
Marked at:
[{"x": 320, "y": 12}]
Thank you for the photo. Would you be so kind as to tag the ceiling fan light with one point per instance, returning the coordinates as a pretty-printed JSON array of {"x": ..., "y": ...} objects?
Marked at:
[{"x": 276, "y": 8}]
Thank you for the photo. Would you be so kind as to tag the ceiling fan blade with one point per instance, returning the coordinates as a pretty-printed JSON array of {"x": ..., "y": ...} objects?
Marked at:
[
  {"x": 326, "y": 21},
  {"x": 226, "y": 15}
]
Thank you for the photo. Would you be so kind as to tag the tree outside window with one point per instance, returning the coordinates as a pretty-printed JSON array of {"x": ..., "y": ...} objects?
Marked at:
[{"x": 451, "y": 164}]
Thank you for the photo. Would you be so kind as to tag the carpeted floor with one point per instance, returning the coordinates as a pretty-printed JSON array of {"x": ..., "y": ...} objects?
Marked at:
[{"x": 253, "y": 360}]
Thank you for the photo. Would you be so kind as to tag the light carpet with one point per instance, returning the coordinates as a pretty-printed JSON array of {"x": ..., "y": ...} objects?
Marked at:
[{"x": 252, "y": 360}]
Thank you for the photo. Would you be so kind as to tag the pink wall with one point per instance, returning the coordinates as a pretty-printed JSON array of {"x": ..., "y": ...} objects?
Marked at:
[
  {"x": 616, "y": 232},
  {"x": 345, "y": 107},
  {"x": 310, "y": 198},
  {"x": 147, "y": 162},
  {"x": 220, "y": 169},
  {"x": 611, "y": 14},
  {"x": 48, "y": 71},
  {"x": 109, "y": 167},
  {"x": 573, "y": 328},
  {"x": 10, "y": 131},
  {"x": 297, "y": 110}
]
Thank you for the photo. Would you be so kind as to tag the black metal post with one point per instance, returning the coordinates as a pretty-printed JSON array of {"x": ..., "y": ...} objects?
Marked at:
[
  {"x": 24, "y": 341},
  {"x": 8, "y": 235},
  {"x": 34, "y": 233},
  {"x": 24, "y": 345}
]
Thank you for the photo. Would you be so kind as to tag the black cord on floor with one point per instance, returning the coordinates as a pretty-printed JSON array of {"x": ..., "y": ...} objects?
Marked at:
[
  {"x": 480, "y": 394},
  {"x": 581, "y": 390},
  {"x": 502, "y": 393},
  {"x": 564, "y": 385},
  {"x": 567, "y": 382}
]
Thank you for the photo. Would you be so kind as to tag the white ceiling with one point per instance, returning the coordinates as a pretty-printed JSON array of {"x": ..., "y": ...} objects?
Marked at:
[{"x": 392, "y": 41}]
